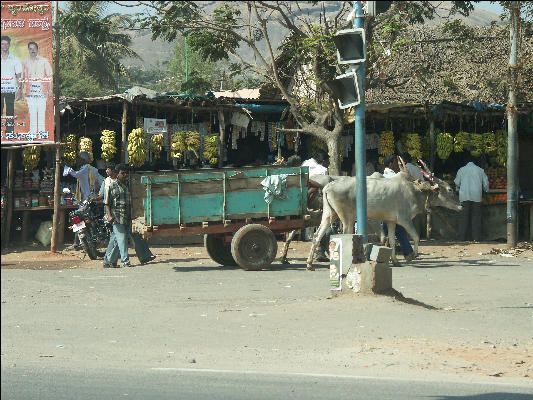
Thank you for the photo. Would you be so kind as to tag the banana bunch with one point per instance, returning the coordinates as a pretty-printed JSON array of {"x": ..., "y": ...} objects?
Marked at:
[
  {"x": 501, "y": 145},
  {"x": 460, "y": 141},
  {"x": 86, "y": 144},
  {"x": 386, "y": 143},
  {"x": 444, "y": 145},
  {"x": 476, "y": 144},
  {"x": 211, "y": 149},
  {"x": 108, "y": 144},
  {"x": 178, "y": 144},
  {"x": 489, "y": 142},
  {"x": 30, "y": 157},
  {"x": 193, "y": 142},
  {"x": 156, "y": 144},
  {"x": 137, "y": 147},
  {"x": 69, "y": 152},
  {"x": 319, "y": 144},
  {"x": 412, "y": 145}
]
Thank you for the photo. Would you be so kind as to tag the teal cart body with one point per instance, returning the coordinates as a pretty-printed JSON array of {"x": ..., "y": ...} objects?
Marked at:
[{"x": 228, "y": 206}]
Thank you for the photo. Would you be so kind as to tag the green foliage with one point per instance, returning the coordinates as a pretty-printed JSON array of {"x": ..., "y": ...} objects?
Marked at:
[{"x": 93, "y": 42}]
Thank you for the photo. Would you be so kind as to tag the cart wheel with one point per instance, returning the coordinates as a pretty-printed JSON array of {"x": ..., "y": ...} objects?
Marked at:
[
  {"x": 254, "y": 247},
  {"x": 218, "y": 250}
]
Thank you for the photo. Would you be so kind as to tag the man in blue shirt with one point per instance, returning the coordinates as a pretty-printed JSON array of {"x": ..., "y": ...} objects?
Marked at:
[{"x": 471, "y": 181}]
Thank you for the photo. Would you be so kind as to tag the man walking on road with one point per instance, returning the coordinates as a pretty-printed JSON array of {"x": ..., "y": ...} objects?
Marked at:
[
  {"x": 118, "y": 211},
  {"x": 471, "y": 181}
]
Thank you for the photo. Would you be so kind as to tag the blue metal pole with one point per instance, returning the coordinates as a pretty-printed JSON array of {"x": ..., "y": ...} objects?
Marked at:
[{"x": 360, "y": 139}]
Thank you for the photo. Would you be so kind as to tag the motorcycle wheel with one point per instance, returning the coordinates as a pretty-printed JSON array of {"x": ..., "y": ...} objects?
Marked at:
[{"x": 89, "y": 248}]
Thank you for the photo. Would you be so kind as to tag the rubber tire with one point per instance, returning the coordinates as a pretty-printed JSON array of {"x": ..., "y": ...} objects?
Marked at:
[
  {"x": 218, "y": 250},
  {"x": 89, "y": 249},
  {"x": 254, "y": 247}
]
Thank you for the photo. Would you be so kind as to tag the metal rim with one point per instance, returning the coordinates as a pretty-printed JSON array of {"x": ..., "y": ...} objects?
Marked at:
[{"x": 254, "y": 247}]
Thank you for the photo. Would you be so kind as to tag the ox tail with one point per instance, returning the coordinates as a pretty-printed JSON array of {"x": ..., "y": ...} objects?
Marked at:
[{"x": 326, "y": 203}]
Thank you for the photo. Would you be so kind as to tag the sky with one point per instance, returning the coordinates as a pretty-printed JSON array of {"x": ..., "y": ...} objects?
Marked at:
[{"x": 115, "y": 8}]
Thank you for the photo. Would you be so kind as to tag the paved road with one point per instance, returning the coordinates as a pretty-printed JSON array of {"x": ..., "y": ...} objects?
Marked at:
[
  {"x": 164, "y": 383},
  {"x": 141, "y": 327}
]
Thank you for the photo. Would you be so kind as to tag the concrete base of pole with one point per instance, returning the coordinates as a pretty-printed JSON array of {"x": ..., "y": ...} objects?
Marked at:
[{"x": 365, "y": 268}]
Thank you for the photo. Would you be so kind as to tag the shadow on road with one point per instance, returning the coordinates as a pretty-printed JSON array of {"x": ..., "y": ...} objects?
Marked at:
[
  {"x": 435, "y": 263},
  {"x": 407, "y": 300}
]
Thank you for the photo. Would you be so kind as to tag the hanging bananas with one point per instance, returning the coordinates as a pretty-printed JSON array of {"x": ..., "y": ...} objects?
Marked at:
[
  {"x": 137, "y": 147},
  {"x": 476, "y": 144},
  {"x": 489, "y": 143},
  {"x": 69, "y": 151},
  {"x": 156, "y": 144},
  {"x": 460, "y": 141},
  {"x": 31, "y": 157},
  {"x": 412, "y": 145},
  {"x": 86, "y": 144},
  {"x": 444, "y": 145},
  {"x": 211, "y": 149},
  {"x": 109, "y": 148},
  {"x": 501, "y": 145},
  {"x": 386, "y": 143}
]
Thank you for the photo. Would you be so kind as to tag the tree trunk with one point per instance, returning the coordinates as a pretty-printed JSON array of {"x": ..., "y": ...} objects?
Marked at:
[{"x": 334, "y": 159}]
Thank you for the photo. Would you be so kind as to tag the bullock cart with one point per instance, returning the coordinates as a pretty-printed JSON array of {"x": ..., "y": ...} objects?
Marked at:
[{"x": 228, "y": 207}]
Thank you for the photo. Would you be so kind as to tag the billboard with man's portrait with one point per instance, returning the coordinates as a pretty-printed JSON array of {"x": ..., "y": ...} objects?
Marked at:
[{"x": 27, "y": 86}]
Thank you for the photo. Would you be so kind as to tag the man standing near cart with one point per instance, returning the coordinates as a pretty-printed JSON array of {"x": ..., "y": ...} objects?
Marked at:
[{"x": 471, "y": 181}]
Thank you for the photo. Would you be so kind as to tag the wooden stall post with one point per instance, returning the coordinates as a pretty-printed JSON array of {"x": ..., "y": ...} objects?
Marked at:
[
  {"x": 431, "y": 165},
  {"x": 222, "y": 137},
  {"x": 56, "y": 226},
  {"x": 57, "y": 124},
  {"x": 124, "y": 132},
  {"x": 9, "y": 215}
]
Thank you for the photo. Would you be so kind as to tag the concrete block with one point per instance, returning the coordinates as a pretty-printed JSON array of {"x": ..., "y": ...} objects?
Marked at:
[
  {"x": 382, "y": 277},
  {"x": 366, "y": 277},
  {"x": 380, "y": 254}
]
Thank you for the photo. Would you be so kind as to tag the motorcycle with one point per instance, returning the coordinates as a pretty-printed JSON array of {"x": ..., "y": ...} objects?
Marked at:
[{"x": 93, "y": 230}]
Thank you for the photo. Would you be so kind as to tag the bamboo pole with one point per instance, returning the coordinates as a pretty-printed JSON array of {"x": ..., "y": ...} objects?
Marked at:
[
  {"x": 124, "y": 132},
  {"x": 9, "y": 216},
  {"x": 512, "y": 122},
  {"x": 55, "y": 219},
  {"x": 222, "y": 137}
]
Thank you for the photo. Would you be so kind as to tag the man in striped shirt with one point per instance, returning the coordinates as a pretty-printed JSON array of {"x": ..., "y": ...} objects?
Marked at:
[{"x": 117, "y": 205}]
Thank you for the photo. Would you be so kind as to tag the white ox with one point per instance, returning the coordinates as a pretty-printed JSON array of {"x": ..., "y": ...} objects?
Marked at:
[{"x": 396, "y": 200}]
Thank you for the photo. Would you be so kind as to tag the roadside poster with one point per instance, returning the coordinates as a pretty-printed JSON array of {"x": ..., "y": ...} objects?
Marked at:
[
  {"x": 335, "y": 264},
  {"x": 27, "y": 87},
  {"x": 154, "y": 126}
]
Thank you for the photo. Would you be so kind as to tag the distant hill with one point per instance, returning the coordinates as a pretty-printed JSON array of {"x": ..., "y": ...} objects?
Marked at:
[{"x": 160, "y": 50}]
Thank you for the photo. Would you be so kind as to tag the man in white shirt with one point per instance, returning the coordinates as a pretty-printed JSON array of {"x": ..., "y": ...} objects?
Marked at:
[
  {"x": 89, "y": 180},
  {"x": 471, "y": 181},
  {"x": 11, "y": 72},
  {"x": 318, "y": 165},
  {"x": 37, "y": 77}
]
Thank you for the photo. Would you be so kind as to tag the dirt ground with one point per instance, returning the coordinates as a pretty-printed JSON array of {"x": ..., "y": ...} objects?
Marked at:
[
  {"x": 35, "y": 256},
  {"x": 453, "y": 340}
]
